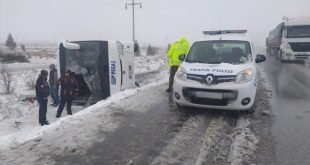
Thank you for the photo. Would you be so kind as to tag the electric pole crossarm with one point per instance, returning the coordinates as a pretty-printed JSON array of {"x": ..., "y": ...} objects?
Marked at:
[{"x": 130, "y": 4}]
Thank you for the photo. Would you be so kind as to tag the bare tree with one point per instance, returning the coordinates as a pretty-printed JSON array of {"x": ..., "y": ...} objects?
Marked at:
[
  {"x": 31, "y": 79},
  {"x": 7, "y": 79}
]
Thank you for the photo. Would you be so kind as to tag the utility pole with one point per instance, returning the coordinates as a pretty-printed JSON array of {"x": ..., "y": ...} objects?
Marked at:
[{"x": 133, "y": 4}]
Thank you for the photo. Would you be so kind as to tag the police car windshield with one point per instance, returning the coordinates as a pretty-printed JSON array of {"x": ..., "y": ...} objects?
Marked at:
[{"x": 220, "y": 51}]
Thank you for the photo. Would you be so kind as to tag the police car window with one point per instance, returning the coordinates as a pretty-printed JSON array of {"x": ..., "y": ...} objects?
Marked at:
[{"x": 233, "y": 52}]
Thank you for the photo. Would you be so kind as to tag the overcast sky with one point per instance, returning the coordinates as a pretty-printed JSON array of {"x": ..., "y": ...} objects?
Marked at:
[{"x": 158, "y": 22}]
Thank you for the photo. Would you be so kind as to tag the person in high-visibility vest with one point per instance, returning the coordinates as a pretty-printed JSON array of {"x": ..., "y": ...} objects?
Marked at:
[{"x": 178, "y": 48}]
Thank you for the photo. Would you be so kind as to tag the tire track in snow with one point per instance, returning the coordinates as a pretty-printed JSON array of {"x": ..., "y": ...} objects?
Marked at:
[{"x": 217, "y": 140}]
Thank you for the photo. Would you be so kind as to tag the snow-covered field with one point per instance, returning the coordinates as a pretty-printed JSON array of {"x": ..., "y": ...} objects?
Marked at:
[{"x": 146, "y": 64}]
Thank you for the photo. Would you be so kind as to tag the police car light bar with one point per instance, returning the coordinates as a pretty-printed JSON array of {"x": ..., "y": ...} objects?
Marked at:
[{"x": 223, "y": 32}]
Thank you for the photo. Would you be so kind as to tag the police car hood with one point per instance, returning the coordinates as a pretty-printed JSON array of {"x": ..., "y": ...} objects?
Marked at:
[{"x": 215, "y": 69}]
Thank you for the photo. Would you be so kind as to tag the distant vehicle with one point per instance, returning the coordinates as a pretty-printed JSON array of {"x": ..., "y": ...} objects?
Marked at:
[
  {"x": 219, "y": 72},
  {"x": 102, "y": 68},
  {"x": 290, "y": 40}
]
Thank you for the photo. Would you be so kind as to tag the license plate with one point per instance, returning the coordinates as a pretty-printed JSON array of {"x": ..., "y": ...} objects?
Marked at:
[{"x": 210, "y": 95}]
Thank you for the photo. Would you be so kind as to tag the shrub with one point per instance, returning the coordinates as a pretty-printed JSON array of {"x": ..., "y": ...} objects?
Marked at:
[
  {"x": 151, "y": 50},
  {"x": 6, "y": 77},
  {"x": 136, "y": 48},
  {"x": 12, "y": 57},
  {"x": 31, "y": 80}
]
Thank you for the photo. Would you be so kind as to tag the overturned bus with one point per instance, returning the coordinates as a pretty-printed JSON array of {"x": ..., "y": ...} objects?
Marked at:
[{"x": 101, "y": 68}]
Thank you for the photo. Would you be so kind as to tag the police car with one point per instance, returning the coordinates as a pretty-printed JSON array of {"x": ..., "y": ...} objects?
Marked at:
[{"x": 219, "y": 72}]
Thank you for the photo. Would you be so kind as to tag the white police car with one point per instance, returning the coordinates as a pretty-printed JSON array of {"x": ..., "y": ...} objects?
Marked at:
[{"x": 219, "y": 72}]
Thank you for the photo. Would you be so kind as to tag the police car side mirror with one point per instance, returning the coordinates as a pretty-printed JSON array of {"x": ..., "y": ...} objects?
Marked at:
[
  {"x": 182, "y": 57},
  {"x": 260, "y": 58}
]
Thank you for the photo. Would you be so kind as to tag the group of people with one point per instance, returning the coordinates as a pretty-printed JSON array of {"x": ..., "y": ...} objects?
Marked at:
[{"x": 45, "y": 87}]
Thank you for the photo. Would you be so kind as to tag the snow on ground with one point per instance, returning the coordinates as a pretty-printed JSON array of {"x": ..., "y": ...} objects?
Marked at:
[
  {"x": 244, "y": 144},
  {"x": 19, "y": 120},
  {"x": 233, "y": 147},
  {"x": 75, "y": 132},
  {"x": 145, "y": 64},
  {"x": 35, "y": 63},
  {"x": 24, "y": 76},
  {"x": 182, "y": 149}
]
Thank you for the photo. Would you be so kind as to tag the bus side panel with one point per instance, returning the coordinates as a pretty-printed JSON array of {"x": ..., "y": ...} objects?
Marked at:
[{"x": 114, "y": 69}]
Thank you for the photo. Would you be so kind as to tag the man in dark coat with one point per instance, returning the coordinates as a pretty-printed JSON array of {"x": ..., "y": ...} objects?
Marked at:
[
  {"x": 42, "y": 92},
  {"x": 68, "y": 90},
  {"x": 53, "y": 77}
]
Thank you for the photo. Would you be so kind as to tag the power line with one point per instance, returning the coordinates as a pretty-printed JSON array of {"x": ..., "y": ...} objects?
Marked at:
[{"x": 133, "y": 4}]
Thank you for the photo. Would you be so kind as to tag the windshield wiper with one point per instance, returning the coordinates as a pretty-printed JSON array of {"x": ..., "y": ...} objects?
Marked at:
[{"x": 193, "y": 61}]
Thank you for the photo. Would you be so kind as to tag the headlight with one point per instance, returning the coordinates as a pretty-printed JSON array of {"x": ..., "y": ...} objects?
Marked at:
[
  {"x": 244, "y": 76},
  {"x": 288, "y": 54},
  {"x": 181, "y": 74}
]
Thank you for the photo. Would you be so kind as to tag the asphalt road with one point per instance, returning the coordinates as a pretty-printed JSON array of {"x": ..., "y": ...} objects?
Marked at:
[{"x": 290, "y": 105}]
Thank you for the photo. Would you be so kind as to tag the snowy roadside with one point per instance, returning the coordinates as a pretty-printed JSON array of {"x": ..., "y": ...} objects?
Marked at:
[
  {"x": 147, "y": 64},
  {"x": 12, "y": 140},
  {"x": 19, "y": 119}
]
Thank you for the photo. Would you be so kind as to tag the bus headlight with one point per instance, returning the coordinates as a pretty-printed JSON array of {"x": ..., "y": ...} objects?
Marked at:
[
  {"x": 181, "y": 74},
  {"x": 244, "y": 76}
]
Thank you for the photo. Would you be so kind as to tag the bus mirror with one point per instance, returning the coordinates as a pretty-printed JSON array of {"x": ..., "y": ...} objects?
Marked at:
[{"x": 69, "y": 45}]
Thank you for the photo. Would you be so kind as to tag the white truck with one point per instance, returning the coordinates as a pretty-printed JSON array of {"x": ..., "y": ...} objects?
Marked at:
[
  {"x": 102, "y": 68},
  {"x": 290, "y": 40}
]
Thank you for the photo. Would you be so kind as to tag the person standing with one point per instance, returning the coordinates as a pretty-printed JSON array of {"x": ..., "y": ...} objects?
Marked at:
[
  {"x": 42, "y": 92},
  {"x": 53, "y": 77},
  {"x": 178, "y": 48},
  {"x": 68, "y": 90}
]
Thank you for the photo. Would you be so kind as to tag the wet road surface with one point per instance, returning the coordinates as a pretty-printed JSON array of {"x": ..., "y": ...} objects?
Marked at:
[{"x": 290, "y": 85}]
